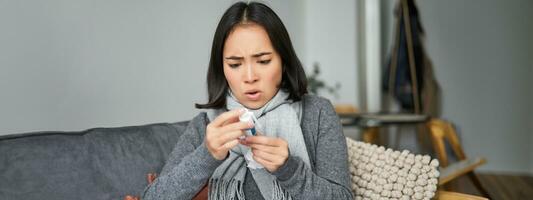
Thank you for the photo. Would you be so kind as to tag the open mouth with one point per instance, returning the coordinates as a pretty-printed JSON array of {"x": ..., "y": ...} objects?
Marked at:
[{"x": 253, "y": 95}]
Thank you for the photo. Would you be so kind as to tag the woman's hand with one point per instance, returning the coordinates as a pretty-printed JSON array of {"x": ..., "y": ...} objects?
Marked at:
[
  {"x": 270, "y": 152},
  {"x": 223, "y": 133}
]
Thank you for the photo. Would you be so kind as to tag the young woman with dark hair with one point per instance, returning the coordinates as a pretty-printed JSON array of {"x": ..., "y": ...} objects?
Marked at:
[{"x": 299, "y": 152}]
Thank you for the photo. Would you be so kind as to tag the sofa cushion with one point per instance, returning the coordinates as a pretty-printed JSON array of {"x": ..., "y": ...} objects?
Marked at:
[{"x": 99, "y": 163}]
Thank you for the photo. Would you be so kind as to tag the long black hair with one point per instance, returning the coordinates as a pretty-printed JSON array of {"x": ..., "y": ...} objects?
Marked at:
[{"x": 293, "y": 78}]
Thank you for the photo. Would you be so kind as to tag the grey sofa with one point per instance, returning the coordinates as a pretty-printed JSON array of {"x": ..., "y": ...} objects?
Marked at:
[{"x": 96, "y": 164}]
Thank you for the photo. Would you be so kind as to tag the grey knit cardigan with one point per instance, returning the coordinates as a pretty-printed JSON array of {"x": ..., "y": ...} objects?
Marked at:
[{"x": 190, "y": 165}]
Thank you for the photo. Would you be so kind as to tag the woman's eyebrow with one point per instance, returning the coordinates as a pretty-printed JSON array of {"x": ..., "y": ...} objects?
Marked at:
[
  {"x": 234, "y": 58},
  {"x": 261, "y": 54},
  {"x": 254, "y": 56}
]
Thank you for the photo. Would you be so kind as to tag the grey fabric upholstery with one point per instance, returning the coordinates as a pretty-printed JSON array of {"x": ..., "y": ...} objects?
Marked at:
[{"x": 99, "y": 163}]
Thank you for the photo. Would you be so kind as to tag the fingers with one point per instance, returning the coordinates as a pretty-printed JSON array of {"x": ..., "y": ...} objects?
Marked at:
[
  {"x": 265, "y": 148},
  {"x": 270, "y": 157},
  {"x": 230, "y": 115},
  {"x": 265, "y": 140},
  {"x": 236, "y": 126},
  {"x": 229, "y": 145},
  {"x": 270, "y": 166},
  {"x": 268, "y": 151},
  {"x": 229, "y": 136},
  {"x": 274, "y": 146},
  {"x": 263, "y": 161},
  {"x": 231, "y": 121}
]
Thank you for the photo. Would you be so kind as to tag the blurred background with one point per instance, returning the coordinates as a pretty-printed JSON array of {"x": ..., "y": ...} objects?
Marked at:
[{"x": 72, "y": 65}]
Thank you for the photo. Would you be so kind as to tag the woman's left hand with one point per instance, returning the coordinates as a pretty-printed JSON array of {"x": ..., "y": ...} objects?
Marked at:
[{"x": 270, "y": 152}]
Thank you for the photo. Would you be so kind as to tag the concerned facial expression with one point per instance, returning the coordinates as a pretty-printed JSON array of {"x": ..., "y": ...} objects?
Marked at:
[{"x": 253, "y": 69}]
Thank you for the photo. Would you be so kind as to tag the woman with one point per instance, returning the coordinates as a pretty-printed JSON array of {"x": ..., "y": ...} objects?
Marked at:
[{"x": 300, "y": 151}]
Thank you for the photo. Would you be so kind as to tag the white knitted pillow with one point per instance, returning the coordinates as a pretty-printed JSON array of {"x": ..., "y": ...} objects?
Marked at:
[{"x": 379, "y": 173}]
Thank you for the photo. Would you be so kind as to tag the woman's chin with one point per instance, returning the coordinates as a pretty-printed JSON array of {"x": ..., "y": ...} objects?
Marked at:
[{"x": 254, "y": 105}]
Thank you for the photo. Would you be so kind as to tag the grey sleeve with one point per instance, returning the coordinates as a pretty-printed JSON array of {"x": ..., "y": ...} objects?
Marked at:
[
  {"x": 188, "y": 167},
  {"x": 331, "y": 178}
]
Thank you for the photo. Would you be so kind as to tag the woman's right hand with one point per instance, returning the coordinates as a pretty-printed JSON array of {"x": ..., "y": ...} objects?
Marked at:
[{"x": 223, "y": 133}]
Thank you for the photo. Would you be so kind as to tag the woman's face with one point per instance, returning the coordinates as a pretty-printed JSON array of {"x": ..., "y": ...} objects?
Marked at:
[{"x": 251, "y": 65}]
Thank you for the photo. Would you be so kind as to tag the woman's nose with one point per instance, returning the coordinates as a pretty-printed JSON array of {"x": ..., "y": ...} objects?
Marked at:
[{"x": 250, "y": 75}]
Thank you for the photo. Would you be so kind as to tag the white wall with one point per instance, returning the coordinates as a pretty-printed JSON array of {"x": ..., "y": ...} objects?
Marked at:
[
  {"x": 72, "y": 65},
  {"x": 481, "y": 51},
  {"x": 330, "y": 39}
]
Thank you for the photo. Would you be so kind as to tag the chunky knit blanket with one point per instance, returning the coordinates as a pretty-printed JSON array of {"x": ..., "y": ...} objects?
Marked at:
[{"x": 380, "y": 173}]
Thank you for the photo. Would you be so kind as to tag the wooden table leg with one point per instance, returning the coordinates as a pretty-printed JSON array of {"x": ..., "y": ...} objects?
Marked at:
[{"x": 371, "y": 135}]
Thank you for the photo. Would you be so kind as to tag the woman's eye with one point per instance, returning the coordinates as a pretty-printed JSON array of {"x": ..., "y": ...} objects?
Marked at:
[
  {"x": 234, "y": 65},
  {"x": 264, "y": 62}
]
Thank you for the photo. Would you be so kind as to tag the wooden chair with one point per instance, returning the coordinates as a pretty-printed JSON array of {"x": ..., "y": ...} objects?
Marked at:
[
  {"x": 441, "y": 131},
  {"x": 445, "y": 195},
  {"x": 345, "y": 109},
  {"x": 370, "y": 134}
]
